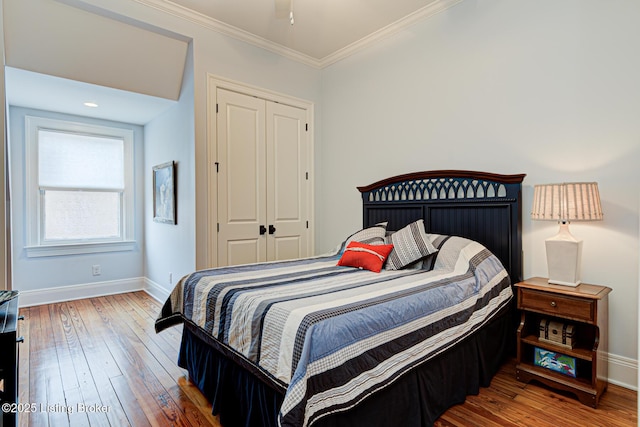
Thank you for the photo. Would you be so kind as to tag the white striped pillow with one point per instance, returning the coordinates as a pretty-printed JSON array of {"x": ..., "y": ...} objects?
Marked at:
[{"x": 409, "y": 245}]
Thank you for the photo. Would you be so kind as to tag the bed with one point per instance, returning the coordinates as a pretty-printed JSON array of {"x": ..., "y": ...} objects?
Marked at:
[{"x": 314, "y": 343}]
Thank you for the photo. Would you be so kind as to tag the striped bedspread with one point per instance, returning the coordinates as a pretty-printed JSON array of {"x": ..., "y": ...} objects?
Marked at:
[{"x": 333, "y": 335}]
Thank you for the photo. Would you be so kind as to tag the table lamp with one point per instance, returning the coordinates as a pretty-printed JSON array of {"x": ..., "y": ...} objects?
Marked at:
[{"x": 566, "y": 202}]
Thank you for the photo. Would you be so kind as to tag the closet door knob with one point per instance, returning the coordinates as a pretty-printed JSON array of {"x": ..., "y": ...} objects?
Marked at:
[
  {"x": 272, "y": 229},
  {"x": 262, "y": 229}
]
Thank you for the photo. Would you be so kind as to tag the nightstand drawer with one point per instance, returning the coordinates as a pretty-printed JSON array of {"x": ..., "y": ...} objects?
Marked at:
[{"x": 557, "y": 305}]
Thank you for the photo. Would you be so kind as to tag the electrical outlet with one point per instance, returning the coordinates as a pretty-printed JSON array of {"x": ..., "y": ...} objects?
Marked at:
[{"x": 96, "y": 269}]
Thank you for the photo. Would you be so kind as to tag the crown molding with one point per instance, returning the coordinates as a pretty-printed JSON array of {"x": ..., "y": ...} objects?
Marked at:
[
  {"x": 421, "y": 14},
  {"x": 190, "y": 15},
  {"x": 221, "y": 27}
]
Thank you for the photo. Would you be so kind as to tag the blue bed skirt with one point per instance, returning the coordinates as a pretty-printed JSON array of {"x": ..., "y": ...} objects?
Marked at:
[{"x": 417, "y": 399}]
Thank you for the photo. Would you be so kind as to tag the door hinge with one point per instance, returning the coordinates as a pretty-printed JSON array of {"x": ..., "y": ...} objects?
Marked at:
[
  {"x": 216, "y": 108},
  {"x": 306, "y": 176},
  {"x": 217, "y": 167},
  {"x": 306, "y": 127},
  {"x": 218, "y": 227},
  {"x": 307, "y": 224}
]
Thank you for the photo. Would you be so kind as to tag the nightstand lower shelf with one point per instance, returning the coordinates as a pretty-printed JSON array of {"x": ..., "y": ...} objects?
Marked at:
[{"x": 581, "y": 388}]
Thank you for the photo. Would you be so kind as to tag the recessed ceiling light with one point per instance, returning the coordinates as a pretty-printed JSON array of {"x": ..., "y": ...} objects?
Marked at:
[{"x": 90, "y": 104}]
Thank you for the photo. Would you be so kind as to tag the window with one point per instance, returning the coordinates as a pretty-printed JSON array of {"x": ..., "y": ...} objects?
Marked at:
[{"x": 79, "y": 187}]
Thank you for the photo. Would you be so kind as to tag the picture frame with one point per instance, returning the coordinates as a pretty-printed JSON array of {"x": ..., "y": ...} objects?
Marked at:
[{"x": 164, "y": 193}]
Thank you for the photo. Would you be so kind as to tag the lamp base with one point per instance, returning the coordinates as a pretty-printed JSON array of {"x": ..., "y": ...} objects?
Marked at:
[{"x": 564, "y": 255}]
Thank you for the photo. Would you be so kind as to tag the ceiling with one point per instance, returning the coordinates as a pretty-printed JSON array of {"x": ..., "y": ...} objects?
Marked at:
[
  {"x": 91, "y": 58},
  {"x": 324, "y": 31},
  {"x": 44, "y": 92}
]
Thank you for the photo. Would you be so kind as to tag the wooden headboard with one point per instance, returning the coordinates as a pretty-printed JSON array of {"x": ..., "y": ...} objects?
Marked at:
[{"x": 482, "y": 206}]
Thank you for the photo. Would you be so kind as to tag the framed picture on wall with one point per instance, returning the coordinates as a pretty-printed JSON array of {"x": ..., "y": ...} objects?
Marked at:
[{"x": 164, "y": 193}]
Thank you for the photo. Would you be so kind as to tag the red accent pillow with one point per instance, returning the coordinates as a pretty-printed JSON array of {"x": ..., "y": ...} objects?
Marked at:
[{"x": 361, "y": 255}]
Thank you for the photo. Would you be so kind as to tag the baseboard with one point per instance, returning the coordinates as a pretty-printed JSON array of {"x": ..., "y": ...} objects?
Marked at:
[
  {"x": 30, "y": 298},
  {"x": 623, "y": 371},
  {"x": 156, "y": 291}
]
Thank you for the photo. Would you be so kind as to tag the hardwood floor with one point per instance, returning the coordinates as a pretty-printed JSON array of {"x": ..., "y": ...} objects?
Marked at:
[{"x": 99, "y": 362}]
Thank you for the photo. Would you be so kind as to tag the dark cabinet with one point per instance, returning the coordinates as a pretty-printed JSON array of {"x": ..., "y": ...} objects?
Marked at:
[{"x": 9, "y": 342}]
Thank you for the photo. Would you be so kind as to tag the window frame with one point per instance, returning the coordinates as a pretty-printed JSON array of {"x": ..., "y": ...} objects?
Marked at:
[{"x": 36, "y": 245}]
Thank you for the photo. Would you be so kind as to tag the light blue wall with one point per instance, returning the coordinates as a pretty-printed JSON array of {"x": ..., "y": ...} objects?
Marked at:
[
  {"x": 170, "y": 249},
  {"x": 49, "y": 272},
  {"x": 546, "y": 88}
]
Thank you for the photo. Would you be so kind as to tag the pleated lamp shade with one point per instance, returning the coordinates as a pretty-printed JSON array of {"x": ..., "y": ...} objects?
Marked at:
[{"x": 574, "y": 201}]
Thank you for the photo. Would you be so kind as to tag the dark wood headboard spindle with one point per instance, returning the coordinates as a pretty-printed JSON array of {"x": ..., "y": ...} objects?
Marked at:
[{"x": 482, "y": 206}]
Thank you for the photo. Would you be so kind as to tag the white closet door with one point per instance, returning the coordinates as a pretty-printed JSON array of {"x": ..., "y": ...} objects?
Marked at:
[
  {"x": 242, "y": 202},
  {"x": 287, "y": 182}
]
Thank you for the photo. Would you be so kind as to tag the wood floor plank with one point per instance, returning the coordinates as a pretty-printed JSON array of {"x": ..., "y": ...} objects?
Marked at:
[
  {"x": 142, "y": 326},
  {"x": 147, "y": 304},
  {"x": 165, "y": 370},
  {"x": 110, "y": 355},
  {"x": 140, "y": 363},
  {"x": 138, "y": 306},
  {"x": 139, "y": 376},
  {"x": 99, "y": 362},
  {"x": 91, "y": 334},
  {"x": 55, "y": 399},
  {"x": 122, "y": 392},
  {"x": 131, "y": 406},
  {"x": 37, "y": 344},
  {"x": 105, "y": 350},
  {"x": 537, "y": 405},
  {"x": 153, "y": 307},
  {"x": 69, "y": 366}
]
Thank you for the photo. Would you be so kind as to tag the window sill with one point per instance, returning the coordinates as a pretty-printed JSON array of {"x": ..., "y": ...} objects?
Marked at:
[{"x": 78, "y": 248}]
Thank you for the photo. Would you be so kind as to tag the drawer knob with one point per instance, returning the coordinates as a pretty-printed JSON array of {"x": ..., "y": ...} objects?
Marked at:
[{"x": 553, "y": 304}]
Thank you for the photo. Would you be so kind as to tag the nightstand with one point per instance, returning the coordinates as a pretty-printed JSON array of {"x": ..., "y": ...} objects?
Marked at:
[{"x": 585, "y": 307}]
